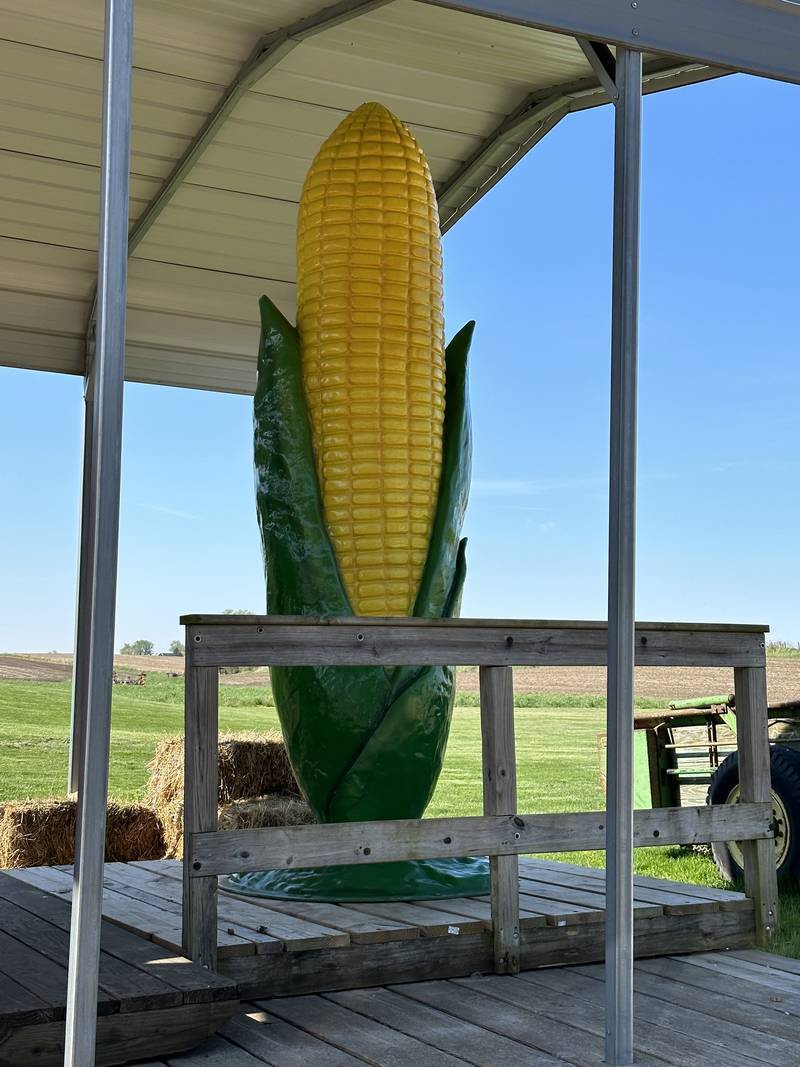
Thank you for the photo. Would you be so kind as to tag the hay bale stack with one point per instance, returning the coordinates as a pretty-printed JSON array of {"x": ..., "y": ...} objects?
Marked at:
[
  {"x": 171, "y": 816},
  {"x": 250, "y": 765},
  {"x": 264, "y": 811},
  {"x": 236, "y": 815},
  {"x": 38, "y": 833}
]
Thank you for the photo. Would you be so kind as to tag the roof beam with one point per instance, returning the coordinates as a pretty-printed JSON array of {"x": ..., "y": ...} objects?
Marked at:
[
  {"x": 269, "y": 51},
  {"x": 533, "y": 118},
  {"x": 754, "y": 36},
  {"x": 525, "y": 127}
]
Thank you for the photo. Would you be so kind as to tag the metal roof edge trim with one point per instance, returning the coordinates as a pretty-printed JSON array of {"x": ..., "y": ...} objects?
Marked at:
[{"x": 759, "y": 37}]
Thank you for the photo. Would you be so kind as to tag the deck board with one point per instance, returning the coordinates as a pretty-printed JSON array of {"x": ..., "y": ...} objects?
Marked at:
[
  {"x": 684, "y": 1021},
  {"x": 148, "y": 1000},
  {"x": 360, "y": 1035},
  {"x": 427, "y": 1006},
  {"x": 546, "y": 1018},
  {"x": 282, "y": 947},
  {"x": 442, "y": 1031}
]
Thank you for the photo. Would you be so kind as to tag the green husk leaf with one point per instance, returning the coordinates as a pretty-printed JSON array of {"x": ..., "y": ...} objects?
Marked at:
[
  {"x": 364, "y": 743},
  {"x": 302, "y": 572},
  {"x": 437, "y": 577}
]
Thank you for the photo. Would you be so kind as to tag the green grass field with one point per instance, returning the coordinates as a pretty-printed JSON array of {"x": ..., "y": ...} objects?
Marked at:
[
  {"x": 556, "y": 755},
  {"x": 783, "y": 650}
]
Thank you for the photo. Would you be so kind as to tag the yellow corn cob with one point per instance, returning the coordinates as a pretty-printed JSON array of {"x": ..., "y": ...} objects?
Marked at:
[{"x": 371, "y": 325}]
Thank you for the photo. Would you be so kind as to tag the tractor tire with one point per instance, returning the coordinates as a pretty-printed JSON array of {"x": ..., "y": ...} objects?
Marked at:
[{"x": 724, "y": 789}]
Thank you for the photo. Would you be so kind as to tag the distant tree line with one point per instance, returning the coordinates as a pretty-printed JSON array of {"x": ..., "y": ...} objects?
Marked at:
[{"x": 176, "y": 648}]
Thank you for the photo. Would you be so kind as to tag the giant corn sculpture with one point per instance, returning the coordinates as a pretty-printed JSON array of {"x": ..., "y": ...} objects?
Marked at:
[{"x": 362, "y": 452}]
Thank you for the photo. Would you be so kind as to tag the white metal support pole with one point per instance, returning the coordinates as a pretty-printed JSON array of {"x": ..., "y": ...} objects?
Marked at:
[
  {"x": 80, "y": 669},
  {"x": 109, "y": 371},
  {"x": 621, "y": 560}
]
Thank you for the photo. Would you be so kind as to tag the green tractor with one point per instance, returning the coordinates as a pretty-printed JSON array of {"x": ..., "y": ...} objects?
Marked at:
[{"x": 688, "y": 752}]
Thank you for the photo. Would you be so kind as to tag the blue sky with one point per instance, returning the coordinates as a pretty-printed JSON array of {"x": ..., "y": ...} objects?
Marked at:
[{"x": 719, "y": 511}]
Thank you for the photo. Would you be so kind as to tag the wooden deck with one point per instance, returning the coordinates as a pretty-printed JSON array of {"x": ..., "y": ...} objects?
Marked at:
[
  {"x": 707, "y": 1010},
  {"x": 151, "y": 1002},
  {"x": 280, "y": 947}
]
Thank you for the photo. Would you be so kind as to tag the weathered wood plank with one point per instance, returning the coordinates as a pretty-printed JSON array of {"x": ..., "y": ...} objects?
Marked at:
[
  {"x": 727, "y": 899},
  {"x": 554, "y": 997},
  {"x": 458, "y": 1037},
  {"x": 560, "y": 882},
  {"x": 216, "y": 1052},
  {"x": 760, "y": 876},
  {"x": 20, "y": 1006},
  {"x": 148, "y": 1002},
  {"x": 119, "y": 946},
  {"x": 702, "y": 979},
  {"x": 280, "y": 1042},
  {"x": 201, "y": 734},
  {"x": 237, "y": 920},
  {"x": 146, "y": 915},
  {"x": 359, "y": 966},
  {"x": 373, "y": 842},
  {"x": 26, "y": 970},
  {"x": 233, "y": 936},
  {"x": 340, "y": 917},
  {"x": 398, "y": 642},
  {"x": 731, "y": 1006},
  {"x": 360, "y": 927},
  {"x": 313, "y": 621},
  {"x": 481, "y": 908},
  {"x": 692, "y": 1020},
  {"x": 769, "y": 960},
  {"x": 500, "y": 798},
  {"x": 121, "y": 1037},
  {"x": 560, "y": 912},
  {"x": 572, "y": 893},
  {"x": 441, "y": 921},
  {"x": 741, "y": 970},
  {"x": 119, "y": 981},
  {"x": 284, "y": 930},
  {"x": 562, "y": 1040},
  {"x": 359, "y": 1035}
]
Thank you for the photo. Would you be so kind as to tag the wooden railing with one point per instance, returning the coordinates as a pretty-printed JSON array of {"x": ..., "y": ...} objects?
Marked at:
[{"x": 501, "y": 832}]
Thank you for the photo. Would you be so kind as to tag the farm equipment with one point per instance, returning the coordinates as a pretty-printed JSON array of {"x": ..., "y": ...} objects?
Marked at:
[{"x": 691, "y": 746}]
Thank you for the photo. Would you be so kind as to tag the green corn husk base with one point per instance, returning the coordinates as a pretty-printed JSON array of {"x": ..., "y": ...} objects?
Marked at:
[
  {"x": 365, "y": 743},
  {"x": 360, "y": 883}
]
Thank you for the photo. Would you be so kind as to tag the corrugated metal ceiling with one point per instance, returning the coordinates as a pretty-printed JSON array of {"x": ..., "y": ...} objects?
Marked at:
[{"x": 227, "y": 235}]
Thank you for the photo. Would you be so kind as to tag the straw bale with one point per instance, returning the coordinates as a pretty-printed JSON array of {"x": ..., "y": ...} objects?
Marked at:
[
  {"x": 38, "y": 833},
  {"x": 246, "y": 814},
  {"x": 264, "y": 811},
  {"x": 250, "y": 765},
  {"x": 171, "y": 816}
]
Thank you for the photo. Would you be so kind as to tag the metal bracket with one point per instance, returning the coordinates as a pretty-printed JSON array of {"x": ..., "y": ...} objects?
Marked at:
[{"x": 603, "y": 63}]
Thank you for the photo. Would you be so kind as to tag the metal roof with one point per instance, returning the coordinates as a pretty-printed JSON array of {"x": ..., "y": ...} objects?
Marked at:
[{"x": 232, "y": 99}]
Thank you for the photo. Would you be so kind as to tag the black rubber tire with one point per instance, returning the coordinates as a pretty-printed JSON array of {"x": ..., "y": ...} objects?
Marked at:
[{"x": 785, "y": 772}]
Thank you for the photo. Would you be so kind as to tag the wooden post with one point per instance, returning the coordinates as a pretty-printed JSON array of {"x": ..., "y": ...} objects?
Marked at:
[
  {"x": 200, "y": 784},
  {"x": 760, "y": 877},
  {"x": 500, "y": 798}
]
